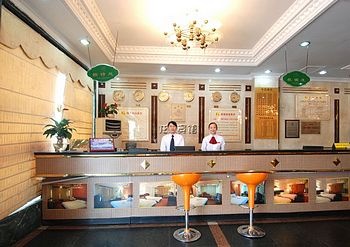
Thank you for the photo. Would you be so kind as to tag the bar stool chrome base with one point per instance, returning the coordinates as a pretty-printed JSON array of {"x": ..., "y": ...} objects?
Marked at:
[
  {"x": 251, "y": 231},
  {"x": 187, "y": 235},
  {"x": 186, "y": 181}
]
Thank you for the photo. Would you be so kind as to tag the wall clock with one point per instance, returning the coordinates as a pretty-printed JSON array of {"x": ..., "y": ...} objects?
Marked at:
[
  {"x": 188, "y": 96},
  {"x": 139, "y": 95},
  {"x": 118, "y": 95},
  {"x": 163, "y": 96},
  {"x": 235, "y": 97},
  {"x": 216, "y": 96}
]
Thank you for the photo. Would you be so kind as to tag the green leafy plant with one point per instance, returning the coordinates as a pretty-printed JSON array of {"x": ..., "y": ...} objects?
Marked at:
[{"x": 61, "y": 129}]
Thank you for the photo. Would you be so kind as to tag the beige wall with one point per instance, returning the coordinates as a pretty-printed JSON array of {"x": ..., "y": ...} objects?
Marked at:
[
  {"x": 176, "y": 89},
  {"x": 326, "y": 137},
  {"x": 27, "y": 89},
  {"x": 287, "y": 95}
]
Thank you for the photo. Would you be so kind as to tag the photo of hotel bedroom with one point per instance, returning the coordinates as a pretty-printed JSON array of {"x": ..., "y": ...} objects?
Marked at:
[
  {"x": 163, "y": 194},
  {"x": 207, "y": 192},
  {"x": 332, "y": 190},
  {"x": 113, "y": 195},
  {"x": 239, "y": 193},
  {"x": 291, "y": 190},
  {"x": 67, "y": 196},
  {"x": 157, "y": 194}
]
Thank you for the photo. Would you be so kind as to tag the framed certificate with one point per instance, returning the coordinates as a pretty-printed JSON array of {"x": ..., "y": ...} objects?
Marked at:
[{"x": 291, "y": 128}]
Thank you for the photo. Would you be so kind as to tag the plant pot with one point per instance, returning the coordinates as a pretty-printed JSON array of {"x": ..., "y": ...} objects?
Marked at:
[
  {"x": 60, "y": 145},
  {"x": 112, "y": 115}
]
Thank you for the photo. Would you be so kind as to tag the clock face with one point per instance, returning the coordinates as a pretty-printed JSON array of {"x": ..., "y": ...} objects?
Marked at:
[
  {"x": 235, "y": 97},
  {"x": 118, "y": 95},
  {"x": 163, "y": 96},
  {"x": 188, "y": 96},
  {"x": 216, "y": 96},
  {"x": 139, "y": 95}
]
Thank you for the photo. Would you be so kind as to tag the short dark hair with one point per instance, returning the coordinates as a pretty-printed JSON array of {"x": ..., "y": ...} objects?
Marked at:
[
  {"x": 172, "y": 122},
  {"x": 213, "y": 123}
]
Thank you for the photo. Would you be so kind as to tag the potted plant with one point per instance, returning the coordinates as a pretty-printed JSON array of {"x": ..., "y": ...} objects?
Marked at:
[
  {"x": 61, "y": 130},
  {"x": 109, "y": 110}
]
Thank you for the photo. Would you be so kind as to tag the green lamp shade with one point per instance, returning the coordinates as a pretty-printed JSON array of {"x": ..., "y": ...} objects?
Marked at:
[
  {"x": 102, "y": 72},
  {"x": 296, "y": 78}
]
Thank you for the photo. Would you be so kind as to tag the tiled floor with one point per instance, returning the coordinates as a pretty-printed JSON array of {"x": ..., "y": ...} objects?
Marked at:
[{"x": 331, "y": 232}]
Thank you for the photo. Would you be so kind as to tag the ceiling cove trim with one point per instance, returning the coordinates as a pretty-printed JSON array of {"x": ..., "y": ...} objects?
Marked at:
[
  {"x": 183, "y": 59},
  {"x": 90, "y": 22},
  {"x": 297, "y": 17}
]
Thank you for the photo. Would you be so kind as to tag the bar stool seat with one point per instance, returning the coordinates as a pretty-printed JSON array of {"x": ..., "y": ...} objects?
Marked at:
[
  {"x": 251, "y": 179},
  {"x": 186, "y": 181}
]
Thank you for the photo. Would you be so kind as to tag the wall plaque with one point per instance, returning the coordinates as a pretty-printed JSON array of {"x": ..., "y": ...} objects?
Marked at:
[
  {"x": 291, "y": 128},
  {"x": 313, "y": 127},
  {"x": 266, "y": 113},
  {"x": 178, "y": 112},
  {"x": 229, "y": 123},
  {"x": 313, "y": 107},
  {"x": 135, "y": 123}
]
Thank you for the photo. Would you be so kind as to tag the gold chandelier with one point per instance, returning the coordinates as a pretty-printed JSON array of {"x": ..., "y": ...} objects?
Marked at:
[{"x": 194, "y": 35}]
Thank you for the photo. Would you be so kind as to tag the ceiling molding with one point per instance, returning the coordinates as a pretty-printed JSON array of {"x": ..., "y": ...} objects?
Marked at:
[
  {"x": 297, "y": 16},
  {"x": 288, "y": 25},
  {"x": 90, "y": 21}
]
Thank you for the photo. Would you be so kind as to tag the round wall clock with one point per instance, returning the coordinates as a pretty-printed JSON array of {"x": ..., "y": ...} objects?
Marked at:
[
  {"x": 188, "y": 96},
  {"x": 235, "y": 97},
  {"x": 163, "y": 96},
  {"x": 139, "y": 95},
  {"x": 216, "y": 96},
  {"x": 118, "y": 95}
]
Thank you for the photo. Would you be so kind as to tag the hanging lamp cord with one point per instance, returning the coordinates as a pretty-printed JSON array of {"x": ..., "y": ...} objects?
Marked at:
[
  {"x": 285, "y": 58},
  {"x": 307, "y": 58},
  {"x": 115, "y": 48}
]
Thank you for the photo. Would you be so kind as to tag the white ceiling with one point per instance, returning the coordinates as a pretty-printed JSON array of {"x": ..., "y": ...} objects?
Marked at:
[{"x": 255, "y": 35}]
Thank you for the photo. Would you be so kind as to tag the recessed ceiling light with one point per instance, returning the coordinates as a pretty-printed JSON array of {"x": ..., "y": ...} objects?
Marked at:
[
  {"x": 85, "y": 42},
  {"x": 268, "y": 71},
  {"x": 305, "y": 43},
  {"x": 322, "y": 72},
  {"x": 217, "y": 70},
  {"x": 162, "y": 68}
]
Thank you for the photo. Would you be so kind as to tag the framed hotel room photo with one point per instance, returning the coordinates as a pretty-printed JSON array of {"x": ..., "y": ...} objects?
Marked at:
[{"x": 292, "y": 128}]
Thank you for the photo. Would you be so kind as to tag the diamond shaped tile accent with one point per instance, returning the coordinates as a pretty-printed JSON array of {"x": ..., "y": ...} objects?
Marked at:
[{"x": 145, "y": 164}]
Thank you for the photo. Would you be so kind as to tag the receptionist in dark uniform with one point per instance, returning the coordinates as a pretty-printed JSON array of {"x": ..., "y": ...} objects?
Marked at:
[
  {"x": 172, "y": 139},
  {"x": 213, "y": 141}
]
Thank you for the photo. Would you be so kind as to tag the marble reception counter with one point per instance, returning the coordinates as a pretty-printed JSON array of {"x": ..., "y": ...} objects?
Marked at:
[{"x": 124, "y": 185}]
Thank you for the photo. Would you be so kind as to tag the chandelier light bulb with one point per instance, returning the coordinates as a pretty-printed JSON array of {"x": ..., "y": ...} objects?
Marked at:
[{"x": 195, "y": 34}]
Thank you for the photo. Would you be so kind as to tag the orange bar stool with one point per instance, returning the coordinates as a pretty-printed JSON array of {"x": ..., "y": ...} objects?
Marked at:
[
  {"x": 251, "y": 179},
  {"x": 186, "y": 181}
]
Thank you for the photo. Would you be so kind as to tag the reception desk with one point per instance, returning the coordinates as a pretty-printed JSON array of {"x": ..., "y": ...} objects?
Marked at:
[{"x": 124, "y": 185}]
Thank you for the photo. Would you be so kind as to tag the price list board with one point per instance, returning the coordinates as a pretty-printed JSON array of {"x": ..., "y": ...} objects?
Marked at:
[
  {"x": 229, "y": 123},
  {"x": 313, "y": 107},
  {"x": 134, "y": 122},
  {"x": 266, "y": 113}
]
